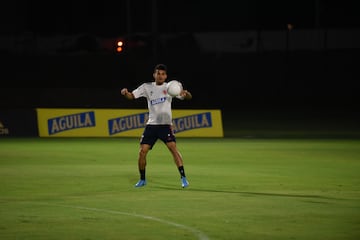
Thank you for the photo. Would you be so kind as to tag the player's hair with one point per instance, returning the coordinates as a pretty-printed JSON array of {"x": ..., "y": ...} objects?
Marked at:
[{"x": 160, "y": 66}]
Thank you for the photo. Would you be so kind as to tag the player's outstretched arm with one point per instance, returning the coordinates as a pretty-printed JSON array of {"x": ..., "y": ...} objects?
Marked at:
[{"x": 127, "y": 94}]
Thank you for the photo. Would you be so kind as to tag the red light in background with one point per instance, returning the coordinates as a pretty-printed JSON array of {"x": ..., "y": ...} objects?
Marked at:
[{"x": 119, "y": 44}]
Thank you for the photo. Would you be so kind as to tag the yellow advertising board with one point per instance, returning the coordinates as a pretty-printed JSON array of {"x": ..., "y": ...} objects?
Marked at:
[{"x": 55, "y": 122}]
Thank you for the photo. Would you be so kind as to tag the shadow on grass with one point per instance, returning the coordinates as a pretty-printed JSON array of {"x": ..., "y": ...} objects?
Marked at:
[{"x": 250, "y": 193}]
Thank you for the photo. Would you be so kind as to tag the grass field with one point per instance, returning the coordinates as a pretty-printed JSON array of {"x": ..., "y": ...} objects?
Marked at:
[{"x": 83, "y": 188}]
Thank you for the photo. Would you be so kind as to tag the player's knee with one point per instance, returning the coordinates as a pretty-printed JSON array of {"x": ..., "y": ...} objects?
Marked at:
[{"x": 143, "y": 152}]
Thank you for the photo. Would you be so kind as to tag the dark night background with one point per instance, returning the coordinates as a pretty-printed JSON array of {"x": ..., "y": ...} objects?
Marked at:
[{"x": 53, "y": 55}]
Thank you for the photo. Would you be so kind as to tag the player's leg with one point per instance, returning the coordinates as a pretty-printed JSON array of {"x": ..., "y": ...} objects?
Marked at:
[
  {"x": 175, "y": 153},
  {"x": 168, "y": 137},
  {"x": 147, "y": 141},
  {"x": 144, "y": 149},
  {"x": 178, "y": 161}
]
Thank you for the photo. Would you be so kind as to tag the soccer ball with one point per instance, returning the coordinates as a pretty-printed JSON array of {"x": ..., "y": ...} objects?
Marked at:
[{"x": 174, "y": 88}]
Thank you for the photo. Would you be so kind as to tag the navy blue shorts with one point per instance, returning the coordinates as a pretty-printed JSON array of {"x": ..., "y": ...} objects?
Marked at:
[{"x": 154, "y": 132}]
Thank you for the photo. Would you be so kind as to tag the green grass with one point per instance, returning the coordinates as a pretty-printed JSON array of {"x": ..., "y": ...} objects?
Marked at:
[{"x": 83, "y": 188}]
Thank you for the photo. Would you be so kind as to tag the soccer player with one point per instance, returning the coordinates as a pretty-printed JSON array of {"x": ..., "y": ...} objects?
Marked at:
[{"x": 159, "y": 124}]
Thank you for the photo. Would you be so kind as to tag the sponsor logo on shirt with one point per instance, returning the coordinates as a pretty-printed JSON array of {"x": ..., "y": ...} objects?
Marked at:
[{"x": 158, "y": 100}]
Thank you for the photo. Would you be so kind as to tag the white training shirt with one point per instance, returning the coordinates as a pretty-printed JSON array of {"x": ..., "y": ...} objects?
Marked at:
[{"x": 159, "y": 102}]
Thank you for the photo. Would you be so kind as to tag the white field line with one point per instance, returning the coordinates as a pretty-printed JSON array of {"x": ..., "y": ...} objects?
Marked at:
[{"x": 200, "y": 235}]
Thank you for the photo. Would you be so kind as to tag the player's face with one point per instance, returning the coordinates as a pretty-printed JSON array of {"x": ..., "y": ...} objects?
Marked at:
[{"x": 160, "y": 76}]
